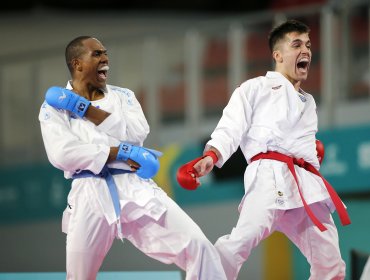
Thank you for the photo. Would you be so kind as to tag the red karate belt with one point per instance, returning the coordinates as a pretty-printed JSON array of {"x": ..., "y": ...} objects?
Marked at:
[{"x": 290, "y": 161}]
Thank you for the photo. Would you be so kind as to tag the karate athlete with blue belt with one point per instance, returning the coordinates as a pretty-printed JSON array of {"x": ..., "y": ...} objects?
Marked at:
[
  {"x": 94, "y": 132},
  {"x": 275, "y": 123}
]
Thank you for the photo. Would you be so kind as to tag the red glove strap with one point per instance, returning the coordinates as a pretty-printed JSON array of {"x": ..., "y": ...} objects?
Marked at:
[{"x": 212, "y": 154}]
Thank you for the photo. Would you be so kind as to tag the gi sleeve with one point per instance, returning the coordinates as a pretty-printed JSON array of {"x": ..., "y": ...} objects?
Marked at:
[
  {"x": 234, "y": 122},
  {"x": 64, "y": 149}
]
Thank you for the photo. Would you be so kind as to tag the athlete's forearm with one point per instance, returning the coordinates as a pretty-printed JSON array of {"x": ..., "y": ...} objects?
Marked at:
[{"x": 96, "y": 115}]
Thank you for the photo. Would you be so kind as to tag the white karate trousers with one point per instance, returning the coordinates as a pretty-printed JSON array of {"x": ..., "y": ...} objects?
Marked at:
[
  {"x": 259, "y": 218},
  {"x": 174, "y": 238},
  {"x": 366, "y": 272}
]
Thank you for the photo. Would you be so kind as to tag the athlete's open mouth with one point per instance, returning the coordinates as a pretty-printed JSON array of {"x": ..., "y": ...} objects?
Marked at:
[
  {"x": 103, "y": 71},
  {"x": 303, "y": 64}
]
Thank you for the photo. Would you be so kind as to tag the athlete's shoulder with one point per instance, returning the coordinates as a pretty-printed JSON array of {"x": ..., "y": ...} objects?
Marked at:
[
  {"x": 252, "y": 84},
  {"x": 120, "y": 90},
  {"x": 126, "y": 95},
  {"x": 50, "y": 114},
  {"x": 254, "y": 81}
]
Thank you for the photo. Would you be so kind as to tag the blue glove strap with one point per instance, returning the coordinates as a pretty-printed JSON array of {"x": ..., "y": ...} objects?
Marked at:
[
  {"x": 124, "y": 151},
  {"x": 81, "y": 106}
]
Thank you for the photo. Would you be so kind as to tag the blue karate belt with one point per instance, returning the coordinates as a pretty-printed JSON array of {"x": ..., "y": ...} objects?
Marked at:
[{"x": 107, "y": 174}]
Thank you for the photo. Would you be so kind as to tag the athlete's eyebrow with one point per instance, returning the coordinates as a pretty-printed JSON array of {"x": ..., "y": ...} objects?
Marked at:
[
  {"x": 99, "y": 52},
  {"x": 300, "y": 41}
]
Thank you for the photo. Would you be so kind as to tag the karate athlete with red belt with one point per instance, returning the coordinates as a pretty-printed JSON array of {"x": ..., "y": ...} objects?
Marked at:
[
  {"x": 275, "y": 123},
  {"x": 94, "y": 132}
]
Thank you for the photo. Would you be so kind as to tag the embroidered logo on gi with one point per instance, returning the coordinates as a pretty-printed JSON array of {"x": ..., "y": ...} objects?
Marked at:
[
  {"x": 302, "y": 97},
  {"x": 46, "y": 116},
  {"x": 277, "y": 87},
  {"x": 280, "y": 201}
]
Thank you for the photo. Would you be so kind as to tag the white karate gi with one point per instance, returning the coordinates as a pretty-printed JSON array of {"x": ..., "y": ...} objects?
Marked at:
[
  {"x": 151, "y": 220},
  {"x": 267, "y": 114},
  {"x": 365, "y": 275}
]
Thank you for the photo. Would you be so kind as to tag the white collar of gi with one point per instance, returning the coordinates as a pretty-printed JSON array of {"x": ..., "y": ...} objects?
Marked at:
[
  {"x": 274, "y": 75},
  {"x": 69, "y": 86},
  {"x": 278, "y": 75}
]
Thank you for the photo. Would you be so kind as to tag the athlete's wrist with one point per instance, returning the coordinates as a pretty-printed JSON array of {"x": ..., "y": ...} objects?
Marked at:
[{"x": 212, "y": 154}]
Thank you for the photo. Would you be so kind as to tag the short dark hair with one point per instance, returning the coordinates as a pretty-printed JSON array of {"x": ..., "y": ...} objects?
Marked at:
[
  {"x": 74, "y": 50},
  {"x": 279, "y": 32}
]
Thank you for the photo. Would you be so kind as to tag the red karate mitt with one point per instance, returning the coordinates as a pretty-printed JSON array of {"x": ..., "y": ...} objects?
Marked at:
[
  {"x": 320, "y": 150},
  {"x": 187, "y": 176}
]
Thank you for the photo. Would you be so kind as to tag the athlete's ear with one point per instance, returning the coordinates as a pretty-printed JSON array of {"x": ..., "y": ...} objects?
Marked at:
[
  {"x": 76, "y": 64},
  {"x": 276, "y": 55}
]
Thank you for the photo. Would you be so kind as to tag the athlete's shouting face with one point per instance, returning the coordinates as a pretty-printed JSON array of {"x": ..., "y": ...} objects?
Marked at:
[
  {"x": 94, "y": 63},
  {"x": 292, "y": 55}
]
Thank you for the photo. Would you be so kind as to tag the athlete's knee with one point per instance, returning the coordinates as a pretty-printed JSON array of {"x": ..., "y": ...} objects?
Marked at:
[{"x": 238, "y": 244}]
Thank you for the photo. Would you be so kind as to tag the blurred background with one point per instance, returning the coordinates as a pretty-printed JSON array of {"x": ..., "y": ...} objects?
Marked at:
[{"x": 183, "y": 60}]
